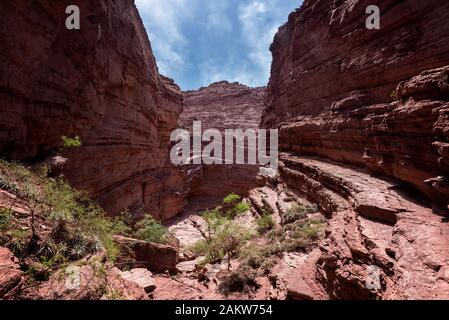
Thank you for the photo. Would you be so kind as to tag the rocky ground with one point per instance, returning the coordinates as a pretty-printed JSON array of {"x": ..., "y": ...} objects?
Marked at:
[
  {"x": 40, "y": 259},
  {"x": 279, "y": 281}
]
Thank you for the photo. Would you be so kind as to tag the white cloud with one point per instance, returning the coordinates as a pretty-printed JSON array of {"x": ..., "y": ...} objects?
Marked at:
[
  {"x": 217, "y": 18},
  {"x": 180, "y": 30},
  {"x": 260, "y": 21},
  {"x": 163, "y": 20}
]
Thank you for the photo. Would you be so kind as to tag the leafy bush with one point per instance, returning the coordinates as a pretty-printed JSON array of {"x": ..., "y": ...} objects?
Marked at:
[
  {"x": 241, "y": 280},
  {"x": 253, "y": 255},
  {"x": 86, "y": 217},
  {"x": 298, "y": 211},
  {"x": 240, "y": 208},
  {"x": 231, "y": 198},
  {"x": 268, "y": 264},
  {"x": 265, "y": 223},
  {"x": 221, "y": 237},
  {"x": 298, "y": 236},
  {"x": 308, "y": 229},
  {"x": 95, "y": 225},
  {"x": 233, "y": 207},
  {"x": 69, "y": 143},
  {"x": 8, "y": 185},
  {"x": 80, "y": 226},
  {"x": 5, "y": 219},
  {"x": 63, "y": 200},
  {"x": 149, "y": 229},
  {"x": 19, "y": 241},
  {"x": 16, "y": 169}
]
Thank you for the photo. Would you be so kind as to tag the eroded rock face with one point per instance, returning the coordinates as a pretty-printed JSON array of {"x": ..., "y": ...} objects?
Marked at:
[
  {"x": 363, "y": 117},
  {"x": 100, "y": 83},
  {"x": 377, "y": 99},
  {"x": 222, "y": 106}
]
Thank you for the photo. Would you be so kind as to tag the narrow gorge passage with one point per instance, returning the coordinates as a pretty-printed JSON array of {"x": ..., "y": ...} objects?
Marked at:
[{"x": 93, "y": 206}]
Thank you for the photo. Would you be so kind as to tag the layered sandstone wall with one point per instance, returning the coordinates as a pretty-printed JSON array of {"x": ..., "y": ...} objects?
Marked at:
[
  {"x": 101, "y": 83},
  {"x": 366, "y": 97},
  {"x": 362, "y": 117},
  {"x": 222, "y": 106}
]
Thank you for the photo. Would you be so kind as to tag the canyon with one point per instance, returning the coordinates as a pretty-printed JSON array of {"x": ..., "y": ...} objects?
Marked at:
[
  {"x": 222, "y": 106},
  {"x": 363, "y": 135}
]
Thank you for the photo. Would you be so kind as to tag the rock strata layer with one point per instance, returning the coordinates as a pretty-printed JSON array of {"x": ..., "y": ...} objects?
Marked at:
[
  {"x": 363, "y": 130},
  {"x": 100, "y": 83},
  {"x": 374, "y": 98},
  {"x": 222, "y": 106}
]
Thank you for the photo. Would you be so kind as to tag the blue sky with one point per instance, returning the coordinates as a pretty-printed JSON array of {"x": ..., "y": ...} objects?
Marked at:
[{"x": 197, "y": 42}]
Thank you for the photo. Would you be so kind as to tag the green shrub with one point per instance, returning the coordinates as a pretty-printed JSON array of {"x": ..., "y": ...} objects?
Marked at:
[
  {"x": 69, "y": 143},
  {"x": 298, "y": 211},
  {"x": 241, "y": 280},
  {"x": 231, "y": 198},
  {"x": 16, "y": 169},
  {"x": 298, "y": 236},
  {"x": 253, "y": 255},
  {"x": 265, "y": 223},
  {"x": 237, "y": 210},
  {"x": 19, "y": 241},
  {"x": 5, "y": 219},
  {"x": 95, "y": 225},
  {"x": 86, "y": 217},
  {"x": 81, "y": 225},
  {"x": 233, "y": 207},
  {"x": 308, "y": 229},
  {"x": 63, "y": 200},
  {"x": 241, "y": 208},
  {"x": 17, "y": 179},
  {"x": 148, "y": 229},
  {"x": 8, "y": 185},
  {"x": 221, "y": 237},
  {"x": 268, "y": 265},
  {"x": 295, "y": 245},
  {"x": 113, "y": 294},
  {"x": 50, "y": 248},
  {"x": 200, "y": 248}
]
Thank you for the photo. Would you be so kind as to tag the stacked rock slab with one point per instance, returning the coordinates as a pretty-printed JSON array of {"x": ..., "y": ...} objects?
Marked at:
[
  {"x": 100, "y": 83},
  {"x": 221, "y": 106},
  {"x": 350, "y": 102}
]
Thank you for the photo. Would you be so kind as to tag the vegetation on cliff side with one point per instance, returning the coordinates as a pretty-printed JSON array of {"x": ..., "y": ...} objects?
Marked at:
[
  {"x": 47, "y": 224},
  {"x": 222, "y": 236}
]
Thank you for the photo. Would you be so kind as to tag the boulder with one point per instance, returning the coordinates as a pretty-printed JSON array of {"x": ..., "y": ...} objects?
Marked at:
[
  {"x": 10, "y": 273},
  {"x": 142, "y": 277},
  {"x": 155, "y": 257}
]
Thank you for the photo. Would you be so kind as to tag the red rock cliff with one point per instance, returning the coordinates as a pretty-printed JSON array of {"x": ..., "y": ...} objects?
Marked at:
[
  {"x": 347, "y": 98},
  {"x": 222, "y": 106},
  {"x": 100, "y": 82},
  {"x": 366, "y": 97}
]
